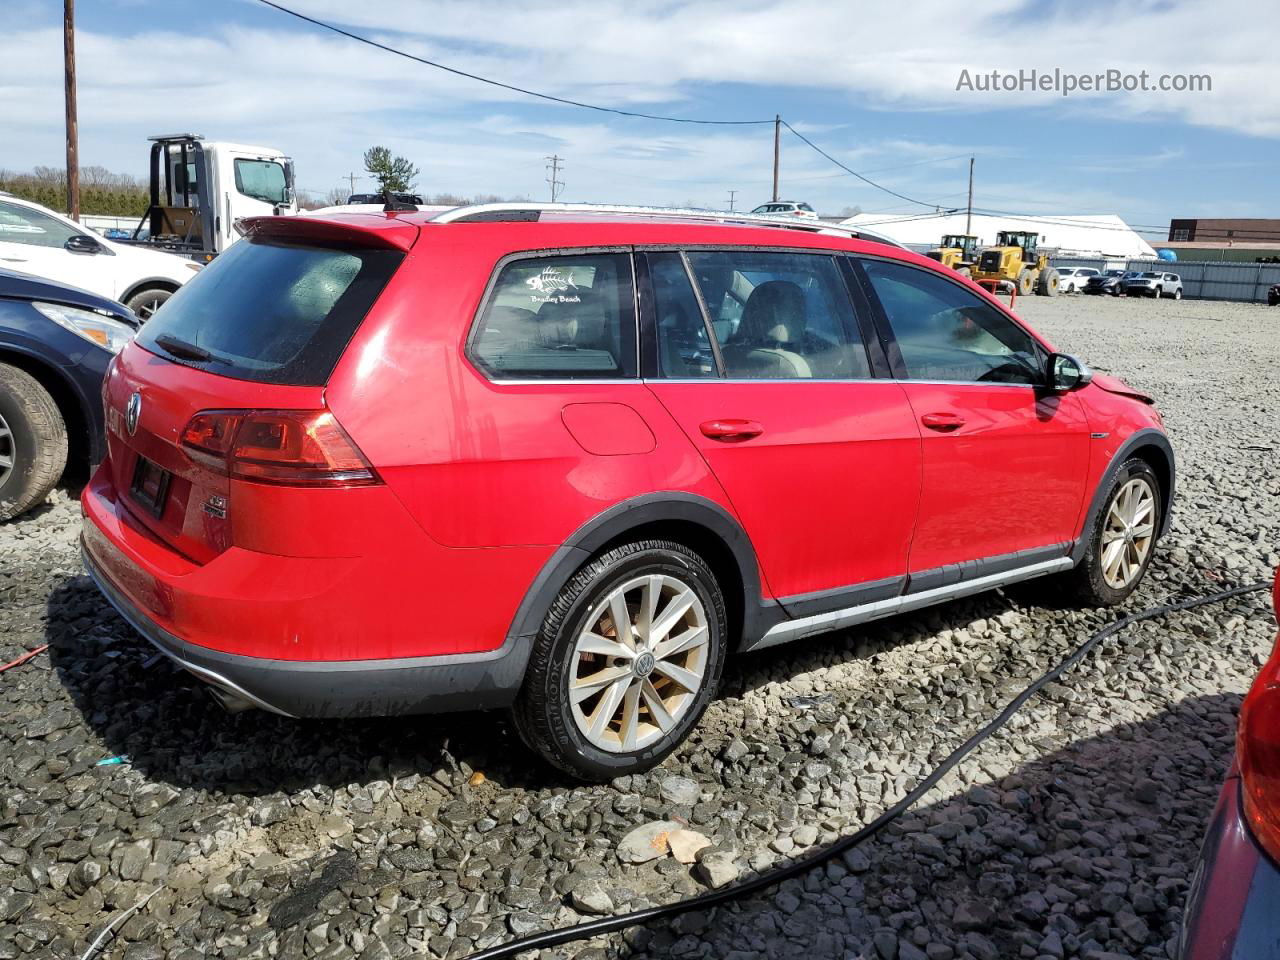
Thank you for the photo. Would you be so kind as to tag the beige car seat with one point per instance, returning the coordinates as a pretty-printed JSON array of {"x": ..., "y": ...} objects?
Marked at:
[{"x": 773, "y": 325}]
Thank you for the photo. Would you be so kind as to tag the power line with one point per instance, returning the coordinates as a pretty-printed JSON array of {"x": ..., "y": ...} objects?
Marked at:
[
  {"x": 498, "y": 83},
  {"x": 804, "y": 179},
  {"x": 849, "y": 170}
]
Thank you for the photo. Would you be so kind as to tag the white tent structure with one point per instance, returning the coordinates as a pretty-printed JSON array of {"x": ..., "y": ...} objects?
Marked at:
[{"x": 1096, "y": 237}]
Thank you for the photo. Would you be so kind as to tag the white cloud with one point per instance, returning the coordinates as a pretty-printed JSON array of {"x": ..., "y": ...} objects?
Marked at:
[{"x": 324, "y": 98}]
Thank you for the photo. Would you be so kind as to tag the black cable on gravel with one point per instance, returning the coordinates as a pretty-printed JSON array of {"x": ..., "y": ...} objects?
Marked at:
[{"x": 715, "y": 898}]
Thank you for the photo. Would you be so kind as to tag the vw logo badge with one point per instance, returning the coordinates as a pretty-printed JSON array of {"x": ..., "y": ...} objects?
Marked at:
[
  {"x": 131, "y": 413},
  {"x": 644, "y": 665}
]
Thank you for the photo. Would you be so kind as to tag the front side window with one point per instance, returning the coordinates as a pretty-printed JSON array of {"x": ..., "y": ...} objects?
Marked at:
[
  {"x": 946, "y": 333},
  {"x": 33, "y": 228},
  {"x": 562, "y": 317},
  {"x": 263, "y": 180},
  {"x": 780, "y": 315}
]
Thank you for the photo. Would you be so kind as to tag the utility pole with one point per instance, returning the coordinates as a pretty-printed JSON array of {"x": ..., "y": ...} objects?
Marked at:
[
  {"x": 351, "y": 178},
  {"x": 73, "y": 134},
  {"x": 968, "y": 219},
  {"x": 731, "y": 193},
  {"x": 556, "y": 184},
  {"x": 777, "y": 137}
]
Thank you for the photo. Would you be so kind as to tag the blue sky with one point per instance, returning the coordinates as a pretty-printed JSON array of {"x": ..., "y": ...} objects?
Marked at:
[{"x": 873, "y": 83}]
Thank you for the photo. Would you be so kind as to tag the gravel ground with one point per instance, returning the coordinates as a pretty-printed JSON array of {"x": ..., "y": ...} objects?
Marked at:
[{"x": 1070, "y": 834}]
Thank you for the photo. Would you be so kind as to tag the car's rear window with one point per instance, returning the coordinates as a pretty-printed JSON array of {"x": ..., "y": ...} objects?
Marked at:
[{"x": 271, "y": 312}]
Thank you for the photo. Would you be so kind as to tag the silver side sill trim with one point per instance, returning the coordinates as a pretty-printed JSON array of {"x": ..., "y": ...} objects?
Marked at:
[{"x": 851, "y": 616}]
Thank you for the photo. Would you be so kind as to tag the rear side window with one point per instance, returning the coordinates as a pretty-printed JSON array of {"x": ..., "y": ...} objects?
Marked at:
[
  {"x": 271, "y": 312},
  {"x": 780, "y": 316},
  {"x": 685, "y": 351},
  {"x": 559, "y": 318}
]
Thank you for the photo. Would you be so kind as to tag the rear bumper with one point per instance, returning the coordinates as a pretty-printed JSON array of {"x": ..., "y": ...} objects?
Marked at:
[
  {"x": 389, "y": 633},
  {"x": 335, "y": 688},
  {"x": 1231, "y": 907}
]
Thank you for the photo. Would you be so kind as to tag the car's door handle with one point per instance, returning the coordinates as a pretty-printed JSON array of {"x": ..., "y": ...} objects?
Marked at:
[
  {"x": 731, "y": 431},
  {"x": 942, "y": 421}
]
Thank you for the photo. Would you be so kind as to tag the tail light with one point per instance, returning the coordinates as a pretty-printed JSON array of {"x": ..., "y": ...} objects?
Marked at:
[
  {"x": 1258, "y": 751},
  {"x": 305, "y": 448}
]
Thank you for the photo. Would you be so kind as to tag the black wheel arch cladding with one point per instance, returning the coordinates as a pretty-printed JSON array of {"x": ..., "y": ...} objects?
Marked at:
[
  {"x": 642, "y": 517},
  {"x": 1151, "y": 446}
]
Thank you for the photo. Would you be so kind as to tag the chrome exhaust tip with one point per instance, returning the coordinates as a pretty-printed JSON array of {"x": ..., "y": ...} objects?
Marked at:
[{"x": 230, "y": 702}]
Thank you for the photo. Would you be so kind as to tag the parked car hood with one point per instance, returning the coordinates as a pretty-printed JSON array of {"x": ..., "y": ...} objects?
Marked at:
[
  {"x": 1116, "y": 385},
  {"x": 155, "y": 263},
  {"x": 24, "y": 286}
]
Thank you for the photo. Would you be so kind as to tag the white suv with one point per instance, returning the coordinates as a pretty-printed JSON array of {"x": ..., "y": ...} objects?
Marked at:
[
  {"x": 1073, "y": 279},
  {"x": 35, "y": 240},
  {"x": 788, "y": 208}
]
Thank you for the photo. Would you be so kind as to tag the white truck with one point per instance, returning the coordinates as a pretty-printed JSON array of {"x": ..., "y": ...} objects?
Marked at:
[{"x": 200, "y": 188}]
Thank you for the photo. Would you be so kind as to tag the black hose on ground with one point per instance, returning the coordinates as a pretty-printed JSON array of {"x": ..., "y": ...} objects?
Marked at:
[{"x": 715, "y": 898}]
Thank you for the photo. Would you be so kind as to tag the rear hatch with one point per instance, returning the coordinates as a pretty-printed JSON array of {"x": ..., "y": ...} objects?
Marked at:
[{"x": 242, "y": 353}]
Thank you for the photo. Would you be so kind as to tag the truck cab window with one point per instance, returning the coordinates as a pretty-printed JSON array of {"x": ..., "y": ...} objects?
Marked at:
[{"x": 263, "y": 180}]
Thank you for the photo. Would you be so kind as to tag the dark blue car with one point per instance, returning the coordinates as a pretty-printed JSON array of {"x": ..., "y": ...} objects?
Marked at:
[{"x": 55, "y": 344}]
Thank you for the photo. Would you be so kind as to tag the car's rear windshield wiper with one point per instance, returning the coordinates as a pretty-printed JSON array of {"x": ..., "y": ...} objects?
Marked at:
[{"x": 180, "y": 348}]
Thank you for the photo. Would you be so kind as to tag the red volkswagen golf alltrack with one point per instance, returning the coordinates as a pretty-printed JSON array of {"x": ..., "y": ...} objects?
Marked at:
[{"x": 566, "y": 461}]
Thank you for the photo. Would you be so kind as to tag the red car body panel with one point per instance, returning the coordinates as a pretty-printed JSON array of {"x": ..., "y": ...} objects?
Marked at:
[
  {"x": 1011, "y": 477},
  {"x": 843, "y": 445},
  {"x": 489, "y": 489}
]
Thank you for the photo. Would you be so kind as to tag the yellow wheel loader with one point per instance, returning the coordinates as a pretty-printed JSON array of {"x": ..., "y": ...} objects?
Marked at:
[
  {"x": 957, "y": 251},
  {"x": 1016, "y": 261}
]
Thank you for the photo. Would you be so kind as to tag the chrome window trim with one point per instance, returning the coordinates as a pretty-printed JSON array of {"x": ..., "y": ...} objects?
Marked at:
[
  {"x": 549, "y": 382},
  {"x": 888, "y": 380}
]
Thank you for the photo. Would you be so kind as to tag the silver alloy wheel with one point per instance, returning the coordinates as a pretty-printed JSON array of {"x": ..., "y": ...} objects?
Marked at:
[
  {"x": 8, "y": 451},
  {"x": 1128, "y": 533},
  {"x": 638, "y": 663}
]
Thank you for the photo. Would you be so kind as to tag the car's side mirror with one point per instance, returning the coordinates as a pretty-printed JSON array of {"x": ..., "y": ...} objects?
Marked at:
[
  {"x": 83, "y": 243},
  {"x": 1064, "y": 373}
]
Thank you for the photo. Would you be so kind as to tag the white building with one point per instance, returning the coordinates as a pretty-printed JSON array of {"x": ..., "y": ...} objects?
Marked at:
[{"x": 1095, "y": 237}]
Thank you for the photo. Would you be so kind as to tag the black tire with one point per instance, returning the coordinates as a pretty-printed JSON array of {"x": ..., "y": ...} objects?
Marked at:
[
  {"x": 1177, "y": 293},
  {"x": 147, "y": 301},
  {"x": 1026, "y": 282},
  {"x": 542, "y": 713},
  {"x": 1159, "y": 293},
  {"x": 33, "y": 441},
  {"x": 1048, "y": 284},
  {"x": 1085, "y": 583}
]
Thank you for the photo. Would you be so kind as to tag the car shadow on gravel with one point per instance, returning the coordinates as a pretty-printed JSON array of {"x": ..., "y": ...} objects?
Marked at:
[
  {"x": 145, "y": 708},
  {"x": 164, "y": 721},
  {"x": 1087, "y": 851}
]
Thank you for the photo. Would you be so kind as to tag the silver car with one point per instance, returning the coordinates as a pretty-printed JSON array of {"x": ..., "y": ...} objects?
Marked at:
[{"x": 1154, "y": 284}]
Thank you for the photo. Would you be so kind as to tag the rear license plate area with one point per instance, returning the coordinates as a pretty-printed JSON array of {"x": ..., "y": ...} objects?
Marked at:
[{"x": 150, "y": 486}]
